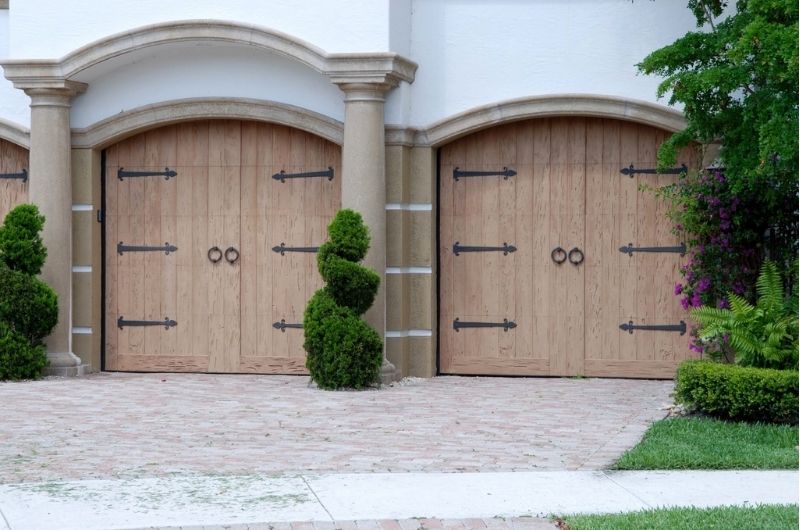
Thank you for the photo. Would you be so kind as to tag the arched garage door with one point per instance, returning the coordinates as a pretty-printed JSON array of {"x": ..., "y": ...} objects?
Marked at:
[
  {"x": 210, "y": 250},
  {"x": 13, "y": 176},
  {"x": 540, "y": 253}
]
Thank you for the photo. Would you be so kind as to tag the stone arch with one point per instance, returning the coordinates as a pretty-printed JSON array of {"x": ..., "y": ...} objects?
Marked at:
[
  {"x": 15, "y": 133},
  {"x": 125, "y": 124},
  {"x": 588, "y": 105}
]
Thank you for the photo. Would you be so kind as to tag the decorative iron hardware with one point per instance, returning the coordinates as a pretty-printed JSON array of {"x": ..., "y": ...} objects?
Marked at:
[
  {"x": 22, "y": 175},
  {"x": 282, "y": 325},
  {"x": 505, "y": 249},
  {"x": 167, "y": 248},
  {"x": 506, "y": 324},
  {"x": 167, "y": 323},
  {"x": 558, "y": 255},
  {"x": 282, "y": 176},
  {"x": 630, "y": 249},
  {"x": 631, "y": 170},
  {"x": 167, "y": 173},
  {"x": 216, "y": 252},
  {"x": 505, "y": 173},
  {"x": 231, "y": 251},
  {"x": 630, "y": 326},
  {"x": 282, "y": 249},
  {"x": 575, "y": 256}
]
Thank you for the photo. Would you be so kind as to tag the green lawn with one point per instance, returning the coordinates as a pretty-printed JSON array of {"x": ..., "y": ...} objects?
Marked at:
[
  {"x": 704, "y": 443},
  {"x": 727, "y": 517}
]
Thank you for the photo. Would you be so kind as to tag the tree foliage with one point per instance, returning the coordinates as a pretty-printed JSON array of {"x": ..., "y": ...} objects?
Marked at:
[{"x": 737, "y": 80}]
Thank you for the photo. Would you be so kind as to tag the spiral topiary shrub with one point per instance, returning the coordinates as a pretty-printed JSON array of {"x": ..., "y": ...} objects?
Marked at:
[
  {"x": 21, "y": 246},
  {"x": 28, "y": 306},
  {"x": 343, "y": 351},
  {"x": 19, "y": 359}
]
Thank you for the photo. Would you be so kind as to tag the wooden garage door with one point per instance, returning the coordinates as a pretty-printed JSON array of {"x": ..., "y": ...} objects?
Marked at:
[
  {"x": 229, "y": 264},
  {"x": 13, "y": 176},
  {"x": 518, "y": 199}
]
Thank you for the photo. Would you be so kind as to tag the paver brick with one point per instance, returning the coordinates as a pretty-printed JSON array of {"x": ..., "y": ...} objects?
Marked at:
[{"x": 137, "y": 425}]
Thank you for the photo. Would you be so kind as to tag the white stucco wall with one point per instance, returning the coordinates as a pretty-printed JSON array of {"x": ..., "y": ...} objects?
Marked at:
[
  {"x": 52, "y": 28},
  {"x": 190, "y": 71},
  {"x": 13, "y": 103},
  {"x": 474, "y": 53},
  {"x": 470, "y": 52}
]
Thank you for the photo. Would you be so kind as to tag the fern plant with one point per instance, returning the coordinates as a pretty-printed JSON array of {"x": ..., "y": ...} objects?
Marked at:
[{"x": 762, "y": 335}]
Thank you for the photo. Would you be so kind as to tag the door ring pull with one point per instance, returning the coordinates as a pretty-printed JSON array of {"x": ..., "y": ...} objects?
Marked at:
[
  {"x": 231, "y": 251},
  {"x": 214, "y": 254},
  {"x": 559, "y": 255},
  {"x": 576, "y": 260}
]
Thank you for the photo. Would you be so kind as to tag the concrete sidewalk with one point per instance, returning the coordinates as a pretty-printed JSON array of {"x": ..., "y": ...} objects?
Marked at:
[{"x": 193, "y": 500}]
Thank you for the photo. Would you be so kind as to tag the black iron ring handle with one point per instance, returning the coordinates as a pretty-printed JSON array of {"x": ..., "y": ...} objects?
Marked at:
[
  {"x": 231, "y": 251},
  {"x": 216, "y": 252},
  {"x": 559, "y": 255},
  {"x": 579, "y": 260}
]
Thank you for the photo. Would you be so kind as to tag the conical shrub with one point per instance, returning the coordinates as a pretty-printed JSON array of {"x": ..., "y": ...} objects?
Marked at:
[{"x": 343, "y": 351}]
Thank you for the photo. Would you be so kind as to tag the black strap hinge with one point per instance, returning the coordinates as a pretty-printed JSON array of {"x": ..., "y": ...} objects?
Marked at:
[
  {"x": 630, "y": 327},
  {"x": 22, "y": 175},
  {"x": 167, "y": 173},
  {"x": 282, "y": 325},
  {"x": 630, "y": 249},
  {"x": 166, "y": 249},
  {"x": 282, "y": 176},
  {"x": 505, "y": 173},
  {"x": 505, "y": 249},
  {"x": 631, "y": 170},
  {"x": 282, "y": 249},
  {"x": 506, "y": 324},
  {"x": 167, "y": 323}
]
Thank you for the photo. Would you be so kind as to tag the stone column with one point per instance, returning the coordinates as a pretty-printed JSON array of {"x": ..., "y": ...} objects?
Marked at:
[
  {"x": 364, "y": 185},
  {"x": 365, "y": 79},
  {"x": 50, "y": 188}
]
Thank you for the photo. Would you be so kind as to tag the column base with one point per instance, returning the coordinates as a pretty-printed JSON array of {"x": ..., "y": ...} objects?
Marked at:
[
  {"x": 388, "y": 372},
  {"x": 65, "y": 364}
]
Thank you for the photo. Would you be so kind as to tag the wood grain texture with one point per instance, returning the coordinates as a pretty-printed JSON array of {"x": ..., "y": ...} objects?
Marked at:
[
  {"x": 13, "y": 159},
  {"x": 568, "y": 192},
  {"x": 223, "y": 196}
]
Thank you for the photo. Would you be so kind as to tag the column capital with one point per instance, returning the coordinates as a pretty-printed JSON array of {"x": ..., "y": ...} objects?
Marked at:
[
  {"x": 43, "y": 81},
  {"x": 363, "y": 76},
  {"x": 52, "y": 92}
]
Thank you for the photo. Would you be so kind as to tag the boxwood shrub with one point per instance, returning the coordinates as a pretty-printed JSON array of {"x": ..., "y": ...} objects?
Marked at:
[
  {"x": 343, "y": 351},
  {"x": 738, "y": 393},
  {"x": 28, "y": 306},
  {"x": 19, "y": 359}
]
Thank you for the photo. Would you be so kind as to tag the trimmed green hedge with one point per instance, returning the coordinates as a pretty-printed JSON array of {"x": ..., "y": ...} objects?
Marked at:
[{"x": 738, "y": 393}]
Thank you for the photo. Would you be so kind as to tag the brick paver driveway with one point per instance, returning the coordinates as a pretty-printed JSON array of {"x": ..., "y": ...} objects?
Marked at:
[{"x": 125, "y": 425}]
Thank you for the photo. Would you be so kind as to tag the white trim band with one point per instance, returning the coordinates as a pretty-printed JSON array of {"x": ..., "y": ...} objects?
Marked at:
[
  {"x": 82, "y": 208},
  {"x": 408, "y": 270},
  {"x": 78, "y": 330},
  {"x": 408, "y": 333},
  {"x": 81, "y": 268},
  {"x": 410, "y": 206}
]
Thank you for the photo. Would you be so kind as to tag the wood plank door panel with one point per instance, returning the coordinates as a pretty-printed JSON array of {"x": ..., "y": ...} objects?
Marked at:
[
  {"x": 152, "y": 286},
  {"x": 634, "y": 287},
  {"x": 294, "y": 213},
  {"x": 224, "y": 196},
  {"x": 568, "y": 192},
  {"x": 13, "y": 159}
]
